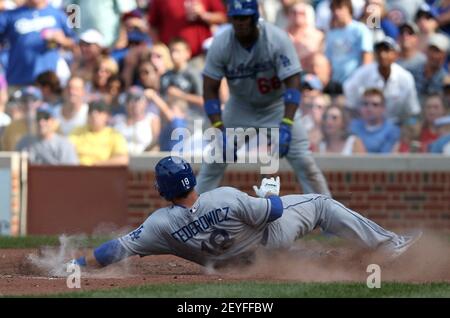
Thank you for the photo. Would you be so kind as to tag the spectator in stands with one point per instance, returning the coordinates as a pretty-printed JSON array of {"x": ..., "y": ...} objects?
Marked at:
[
  {"x": 321, "y": 67},
  {"x": 400, "y": 11},
  {"x": 429, "y": 75},
  {"x": 183, "y": 82},
  {"x": 348, "y": 43},
  {"x": 97, "y": 144},
  {"x": 336, "y": 136},
  {"x": 50, "y": 86},
  {"x": 160, "y": 57},
  {"x": 396, "y": 83},
  {"x": 134, "y": 29},
  {"x": 47, "y": 147},
  {"x": 446, "y": 89},
  {"x": 113, "y": 97},
  {"x": 148, "y": 76},
  {"x": 282, "y": 13},
  {"x": 74, "y": 110},
  {"x": 140, "y": 128},
  {"x": 410, "y": 56},
  {"x": 34, "y": 32},
  {"x": 375, "y": 18},
  {"x": 30, "y": 99},
  {"x": 87, "y": 53},
  {"x": 427, "y": 133},
  {"x": 188, "y": 19},
  {"x": 434, "y": 108},
  {"x": 104, "y": 16},
  {"x": 442, "y": 145},
  {"x": 312, "y": 107},
  {"x": 426, "y": 19},
  {"x": 324, "y": 18},
  {"x": 301, "y": 29},
  {"x": 106, "y": 67},
  {"x": 378, "y": 134}
]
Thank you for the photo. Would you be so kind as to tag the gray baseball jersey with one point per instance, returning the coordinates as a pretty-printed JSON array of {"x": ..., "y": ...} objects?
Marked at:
[
  {"x": 227, "y": 224},
  {"x": 254, "y": 75}
]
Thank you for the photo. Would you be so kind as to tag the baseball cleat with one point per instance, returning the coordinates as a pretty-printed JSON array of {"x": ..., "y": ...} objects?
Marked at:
[{"x": 403, "y": 244}]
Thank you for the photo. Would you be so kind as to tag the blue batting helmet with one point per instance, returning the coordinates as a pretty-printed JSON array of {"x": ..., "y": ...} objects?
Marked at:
[
  {"x": 174, "y": 177},
  {"x": 243, "y": 8}
]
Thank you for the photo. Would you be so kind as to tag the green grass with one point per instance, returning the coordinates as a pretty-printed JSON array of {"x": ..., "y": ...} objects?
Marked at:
[
  {"x": 7, "y": 242},
  {"x": 271, "y": 290}
]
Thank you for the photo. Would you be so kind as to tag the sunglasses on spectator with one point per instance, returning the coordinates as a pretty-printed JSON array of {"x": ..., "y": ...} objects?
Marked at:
[
  {"x": 332, "y": 117},
  {"x": 375, "y": 104},
  {"x": 44, "y": 116}
]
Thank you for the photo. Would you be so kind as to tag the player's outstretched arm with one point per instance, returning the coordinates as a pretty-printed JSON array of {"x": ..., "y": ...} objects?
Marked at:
[
  {"x": 106, "y": 254},
  {"x": 269, "y": 186}
]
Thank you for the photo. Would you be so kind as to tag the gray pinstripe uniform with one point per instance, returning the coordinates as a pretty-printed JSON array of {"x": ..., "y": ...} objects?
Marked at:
[
  {"x": 256, "y": 98},
  {"x": 227, "y": 224}
]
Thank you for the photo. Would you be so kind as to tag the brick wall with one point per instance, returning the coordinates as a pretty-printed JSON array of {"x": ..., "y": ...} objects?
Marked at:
[{"x": 392, "y": 199}]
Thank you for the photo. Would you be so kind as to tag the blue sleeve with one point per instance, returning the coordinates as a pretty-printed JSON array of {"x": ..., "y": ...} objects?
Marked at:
[
  {"x": 110, "y": 252},
  {"x": 276, "y": 208},
  {"x": 390, "y": 29}
]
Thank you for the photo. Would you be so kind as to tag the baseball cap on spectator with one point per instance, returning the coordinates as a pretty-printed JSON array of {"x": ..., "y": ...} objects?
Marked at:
[
  {"x": 439, "y": 41},
  {"x": 387, "y": 42},
  {"x": 312, "y": 82},
  {"x": 425, "y": 10},
  {"x": 45, "y": 111},
  {"x": 135, "y": 93},
  {"x": 29, "y": 92},
  {"x": 133, "y": 14},
  {"x": 92, "y": 36},
  {"x": 99, "y": 106},
  {"x": 442, "y": 121},
  {"x": 411, "y": 26}
]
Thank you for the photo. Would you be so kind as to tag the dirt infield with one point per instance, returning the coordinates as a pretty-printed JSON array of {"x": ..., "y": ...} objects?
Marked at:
[{"x": 427, "y": 261}]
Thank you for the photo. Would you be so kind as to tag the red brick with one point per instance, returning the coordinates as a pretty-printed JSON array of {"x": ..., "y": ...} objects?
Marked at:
[
  {"x": 359, "y": 188},
  {"x": 433, "y": 188},
  {"x": 396, "y": 188},
  {"x": 396, "y": 207},
  {"x": 377, "y": 197},
  {"x": 434, "y": 207}
]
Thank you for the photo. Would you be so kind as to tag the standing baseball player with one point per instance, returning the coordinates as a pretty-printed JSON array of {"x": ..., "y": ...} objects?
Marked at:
[
  {"x": 263, "y": 74},
  {"x": 226, "y": 224}
]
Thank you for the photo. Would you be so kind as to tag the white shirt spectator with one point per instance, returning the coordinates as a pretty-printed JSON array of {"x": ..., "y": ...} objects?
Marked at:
[
  {"x": 399, "y": 90},
  {"x": 66, "y": 126},
  {"x": 138, "y": 135}
]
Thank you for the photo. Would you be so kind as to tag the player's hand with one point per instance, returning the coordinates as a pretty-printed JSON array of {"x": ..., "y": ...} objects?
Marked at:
[
  {"x": 285, "y": 139},
  {"x": 269, "y": 186}
]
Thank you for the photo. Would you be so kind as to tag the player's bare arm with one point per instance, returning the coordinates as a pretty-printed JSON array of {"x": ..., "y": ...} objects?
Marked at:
[{"x": 291, "y": 83}]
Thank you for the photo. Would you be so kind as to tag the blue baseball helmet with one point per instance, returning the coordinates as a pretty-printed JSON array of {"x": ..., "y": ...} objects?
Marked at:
[
  {"x": 243, "y": 8},
  {"x": 174, "y": 177}
]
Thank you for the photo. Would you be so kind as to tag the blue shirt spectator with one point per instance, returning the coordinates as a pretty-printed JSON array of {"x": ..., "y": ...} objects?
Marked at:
[
  {"x": 348, "y": 44},
  {"x": 34, "y": 32},
  {"x": 378, "y": 134},
  {"x": 381, "y": 139}
]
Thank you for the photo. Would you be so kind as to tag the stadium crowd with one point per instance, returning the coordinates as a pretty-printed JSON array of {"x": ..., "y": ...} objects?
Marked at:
[{"x": 116, "y": 80}]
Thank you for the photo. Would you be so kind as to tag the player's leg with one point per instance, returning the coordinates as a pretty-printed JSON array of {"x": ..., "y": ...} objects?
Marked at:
[
  {"x": 302, "y": 162},
  {"x": 303, "y": 213},
  {"x": 210, "y": 176}
]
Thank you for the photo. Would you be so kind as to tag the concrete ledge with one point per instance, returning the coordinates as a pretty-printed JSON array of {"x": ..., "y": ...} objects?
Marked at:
[{"x": 364, "y": 163}]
